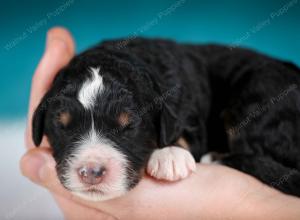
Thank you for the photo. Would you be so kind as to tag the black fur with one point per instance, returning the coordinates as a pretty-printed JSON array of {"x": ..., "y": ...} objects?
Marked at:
[{"x": 218, "y": 98}]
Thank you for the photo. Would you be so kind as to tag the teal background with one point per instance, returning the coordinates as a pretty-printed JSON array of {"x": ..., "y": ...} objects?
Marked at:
[{"x": 92, "y": 21}]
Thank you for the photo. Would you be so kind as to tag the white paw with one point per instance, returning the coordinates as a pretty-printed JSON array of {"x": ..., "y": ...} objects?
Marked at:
[{"x": 171, "y": 163}]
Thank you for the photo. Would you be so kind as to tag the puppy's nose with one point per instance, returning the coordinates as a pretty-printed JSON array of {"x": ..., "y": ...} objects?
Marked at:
[{"x": 91, "y": 173}]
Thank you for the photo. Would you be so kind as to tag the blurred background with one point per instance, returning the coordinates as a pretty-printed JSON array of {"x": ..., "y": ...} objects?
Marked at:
[{"x": 272, "y": 27}]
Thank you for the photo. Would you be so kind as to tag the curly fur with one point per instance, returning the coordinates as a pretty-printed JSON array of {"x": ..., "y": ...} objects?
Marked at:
[{"x": 223, "y": 99}]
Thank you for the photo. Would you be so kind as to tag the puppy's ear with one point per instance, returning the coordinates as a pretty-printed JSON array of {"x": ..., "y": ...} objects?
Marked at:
[
  {"x": 170, "y": 118},
  {"x": 169, "y": 126},
  {"x": 38, "y": 121}
]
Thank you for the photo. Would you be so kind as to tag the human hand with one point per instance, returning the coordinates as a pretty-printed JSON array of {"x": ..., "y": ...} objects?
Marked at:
[{"x": 212, "y": 192}]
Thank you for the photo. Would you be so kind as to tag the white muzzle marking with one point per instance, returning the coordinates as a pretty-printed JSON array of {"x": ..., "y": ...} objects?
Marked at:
[{"x": 95, "y": 149}]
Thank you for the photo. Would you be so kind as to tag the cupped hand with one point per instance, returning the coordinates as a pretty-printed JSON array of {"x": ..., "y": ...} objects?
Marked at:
[{"x": 212, "y": 192}]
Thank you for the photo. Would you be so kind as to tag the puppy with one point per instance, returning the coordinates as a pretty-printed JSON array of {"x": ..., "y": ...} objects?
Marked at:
[{"x": 154, "y": 105}]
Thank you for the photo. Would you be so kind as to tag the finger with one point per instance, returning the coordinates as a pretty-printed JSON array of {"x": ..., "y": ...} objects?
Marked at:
[
  {"x": 39, "y": 166},
  {"x": 59, "y": 50}
]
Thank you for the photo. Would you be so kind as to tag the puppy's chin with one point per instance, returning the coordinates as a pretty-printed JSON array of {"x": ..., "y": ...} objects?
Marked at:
[{"x": 97, "y": 196}]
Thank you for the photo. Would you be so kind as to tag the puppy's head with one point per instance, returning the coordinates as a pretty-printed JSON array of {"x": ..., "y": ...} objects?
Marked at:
[
  {"x": 100, "y": 140},
  {"x": 103, "y": 116}
]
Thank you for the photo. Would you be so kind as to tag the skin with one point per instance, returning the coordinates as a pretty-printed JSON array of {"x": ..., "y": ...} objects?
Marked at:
[{"x": 211, "y": 192}]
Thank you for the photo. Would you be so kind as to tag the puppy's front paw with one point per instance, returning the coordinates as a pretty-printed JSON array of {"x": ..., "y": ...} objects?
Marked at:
[{"x": 171, "y": 163}]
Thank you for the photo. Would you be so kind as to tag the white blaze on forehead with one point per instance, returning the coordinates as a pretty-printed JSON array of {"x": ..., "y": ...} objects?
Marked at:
[
  {"x": 94, "y": 148},
  {"x": 91, "y": 88}
]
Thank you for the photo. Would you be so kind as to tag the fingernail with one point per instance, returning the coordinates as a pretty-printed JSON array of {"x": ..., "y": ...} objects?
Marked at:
[
  {"x": 54, "y": 42},
  {"x": 30, "y": 166},
  {"x": 35, "y": 166}
]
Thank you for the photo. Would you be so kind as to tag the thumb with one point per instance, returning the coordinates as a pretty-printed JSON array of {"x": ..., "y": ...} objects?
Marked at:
[{"x": 39, "y": 166}]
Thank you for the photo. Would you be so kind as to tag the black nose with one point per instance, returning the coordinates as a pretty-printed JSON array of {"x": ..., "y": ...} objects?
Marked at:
[{"x": 91, "y": 173}]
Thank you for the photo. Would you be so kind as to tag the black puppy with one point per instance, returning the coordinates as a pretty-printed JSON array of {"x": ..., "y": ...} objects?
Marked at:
[{"x": 123, "y": 107}]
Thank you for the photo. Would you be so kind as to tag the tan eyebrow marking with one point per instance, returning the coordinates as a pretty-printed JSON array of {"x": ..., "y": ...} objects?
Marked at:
[
  {"x": 123, "y": 119},
  {"x": 64, "y": 118}
]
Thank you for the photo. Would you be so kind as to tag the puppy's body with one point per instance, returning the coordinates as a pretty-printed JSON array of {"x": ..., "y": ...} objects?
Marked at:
[{"x": 130, "y": 102}]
